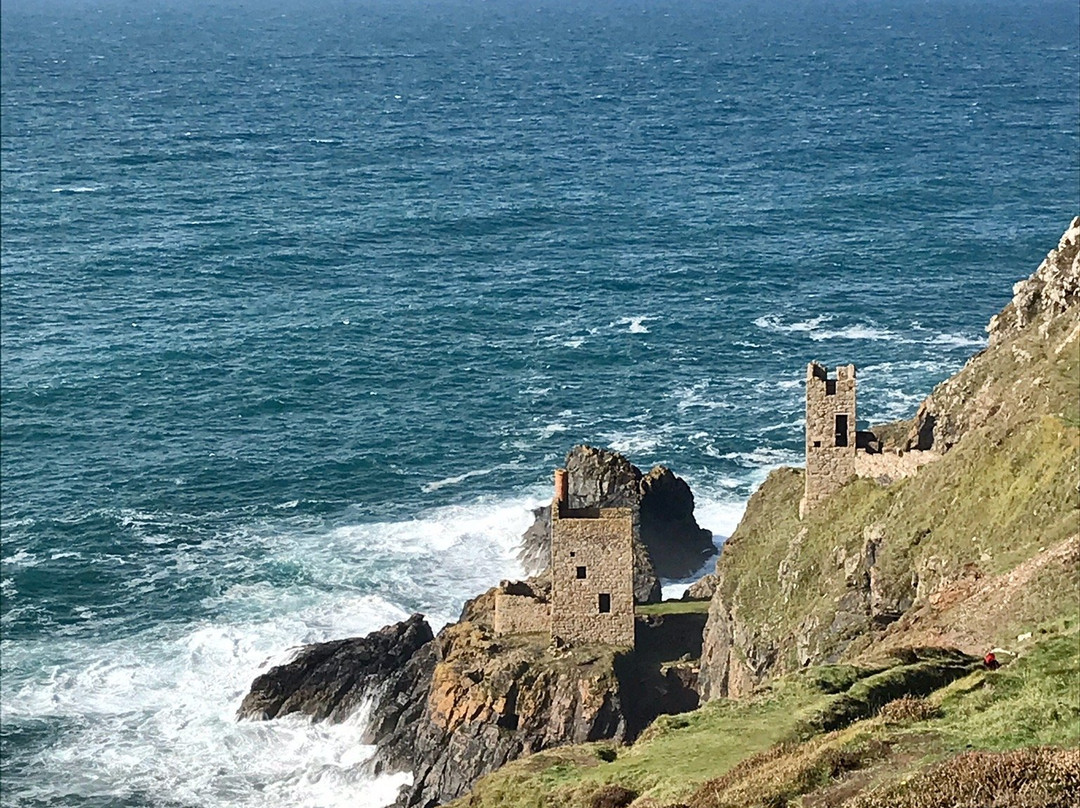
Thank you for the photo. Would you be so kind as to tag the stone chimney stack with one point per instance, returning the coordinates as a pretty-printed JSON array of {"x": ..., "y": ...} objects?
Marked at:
[{"x": 562, "y": 487}]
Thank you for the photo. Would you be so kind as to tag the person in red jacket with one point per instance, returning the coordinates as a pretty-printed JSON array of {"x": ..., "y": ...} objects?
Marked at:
[{"x": 990, "y": 661}]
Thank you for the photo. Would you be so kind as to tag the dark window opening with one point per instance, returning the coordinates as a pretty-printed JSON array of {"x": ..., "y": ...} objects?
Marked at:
[
  {"x": 841, "y": 429},
  {"x": 830, "y": 387},
  {"x": 580, "y": 572},
  {"x": 817, "y": 444},
  {"x": 572, "y": 554},
  {"x": 605, "y": 603}
]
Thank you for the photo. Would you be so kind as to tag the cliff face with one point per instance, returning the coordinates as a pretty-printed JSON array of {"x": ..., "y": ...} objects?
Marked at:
[
  {"x": 488, "y": 702},
  {"x": 969, "y": 552},
  {"x": 1024, "y": 369},
  {"x": 672, "y": 544},
  {"x": 457, "y": 706}
]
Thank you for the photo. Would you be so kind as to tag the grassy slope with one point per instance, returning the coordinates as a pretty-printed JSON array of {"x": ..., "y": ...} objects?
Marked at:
[
  {"x": 1005, "y": 493},
  {"x": 755, "y": 742},
  {"x": 673, "y": 607}
]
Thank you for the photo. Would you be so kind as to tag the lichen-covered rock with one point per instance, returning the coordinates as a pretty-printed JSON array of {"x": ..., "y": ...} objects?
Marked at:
[
  {"x": 1040, "y": 324},
  {"x": 492, "y": 701},
  {"x": 672, "y": 544},
  {"x": 1051, "y": 289},
  {"x": 701, "y": 589}
]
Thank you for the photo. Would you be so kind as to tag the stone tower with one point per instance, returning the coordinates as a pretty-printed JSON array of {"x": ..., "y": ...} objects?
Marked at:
[
  {"x": 592, "y": 571},
  {"x": 830, "y": 432}
]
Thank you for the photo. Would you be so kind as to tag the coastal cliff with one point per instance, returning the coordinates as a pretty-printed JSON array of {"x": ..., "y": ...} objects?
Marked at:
[
  {"x": 454, "y": 707},
  {"x": 994, "y": 522},
  {"x": 841, "y": 656},
  {"x": 841, "y": 651}
]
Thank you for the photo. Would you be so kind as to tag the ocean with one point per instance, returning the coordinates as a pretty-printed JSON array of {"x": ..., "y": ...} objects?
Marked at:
[{"x": 303, "y": 300}]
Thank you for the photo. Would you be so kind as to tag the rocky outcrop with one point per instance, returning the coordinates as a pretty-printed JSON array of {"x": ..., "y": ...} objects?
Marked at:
[
  {"x": 1040, "y": 323},
  {"x": 453, "y": 708},
  {"x": 1051, "y": 289},
  {"x": 329, "y": 680},
  {"x": 701, "y": 589},
  {"x": 672, "y": 544},
  {"x": 491, "y": 701}
]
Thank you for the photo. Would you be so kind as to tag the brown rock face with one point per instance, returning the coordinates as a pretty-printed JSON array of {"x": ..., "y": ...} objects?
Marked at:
[
  {"x": 672, "y": 544},
  {"x": 489, "y": 702}
]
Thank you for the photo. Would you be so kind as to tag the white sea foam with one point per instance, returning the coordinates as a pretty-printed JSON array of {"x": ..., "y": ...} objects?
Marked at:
[
  {"x": 771, "y": 322},
  {"x": 700, "y": 396},
  {"x": 636, "y": 325},
  {"x": 455, "y": 480},
  {"x": 634, "y": 443},
  {"x": 958, "y": 341},
  {"x": 859, "y": 331},
  {"x": 152, "y": 715},
  {"x": 763, "y": 456},
  {"x": 576, "y": 342},
  {"x": 76, "y": 189},
  {"x": 23, "y": 558},
  {"x": 553, "y": 429}
]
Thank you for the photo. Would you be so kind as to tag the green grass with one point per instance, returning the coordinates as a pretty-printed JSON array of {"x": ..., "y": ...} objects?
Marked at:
[
  {"x": 1032, "y": 701},
  {"x": 673, "y": 607},
  {"x": 778, "y": 744}
]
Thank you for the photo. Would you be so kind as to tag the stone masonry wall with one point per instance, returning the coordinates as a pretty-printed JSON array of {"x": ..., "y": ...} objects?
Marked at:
[
  {"x": 520, "y": 614},
  {"x": 889, "y": 466},
  {"x": 602, "y": 543},
  {"x": 828, "y": 466}
]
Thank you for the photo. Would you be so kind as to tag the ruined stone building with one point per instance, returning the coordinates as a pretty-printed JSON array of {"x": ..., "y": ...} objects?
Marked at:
[
  {"x": 592, "y": 571},
  {"x": 836, "y": 451},
  {"x": 592, "y": 578},
  {"x": 830, "y": 432}
]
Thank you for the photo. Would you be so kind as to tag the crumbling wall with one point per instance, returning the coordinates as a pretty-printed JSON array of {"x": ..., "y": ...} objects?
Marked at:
[
  {"x": 521, "y": 614},
  {"x": 891, "y": 465}
]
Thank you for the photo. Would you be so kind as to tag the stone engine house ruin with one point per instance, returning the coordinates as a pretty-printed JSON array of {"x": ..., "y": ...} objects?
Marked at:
[
  {"x": 592, "y": 578},
  {"x": 836, "y": 451}
]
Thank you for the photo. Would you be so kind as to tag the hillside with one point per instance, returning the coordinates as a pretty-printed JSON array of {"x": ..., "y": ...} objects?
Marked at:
[{"x": 814, "y": 694}]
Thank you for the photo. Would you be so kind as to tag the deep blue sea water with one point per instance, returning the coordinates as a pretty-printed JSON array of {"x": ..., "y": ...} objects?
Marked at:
[{"x": 302, "y": 300}]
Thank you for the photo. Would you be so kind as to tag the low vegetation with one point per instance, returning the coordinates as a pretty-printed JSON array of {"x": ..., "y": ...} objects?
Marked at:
[
  {"x": 673, "y": 607},
  {"x": 841, "y": 735}
]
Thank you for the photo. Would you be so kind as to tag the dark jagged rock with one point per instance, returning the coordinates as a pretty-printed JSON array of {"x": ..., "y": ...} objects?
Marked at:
[
  {"x": 329, "y": 680},
  {"x": 456, "y": 707},
  {"x": 672, "y": 544},
  {"x": 677, "y": 545}
]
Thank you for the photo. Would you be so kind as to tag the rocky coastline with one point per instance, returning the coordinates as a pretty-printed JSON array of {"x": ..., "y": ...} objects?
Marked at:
[
  {"x": 880, "y": 568},
  {"x": 453, "y": 707}
]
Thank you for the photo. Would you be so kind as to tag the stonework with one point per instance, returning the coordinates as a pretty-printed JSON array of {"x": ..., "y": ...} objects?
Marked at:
[
  {"x": 835, "y": 451},
  {"x": 521, "y": 614},
  {"x": 592, "y": 578},
  {"x": 592, "y": 575},
  {"x": 830, "y": 432},
  {"x": 890, "y": 466}
]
